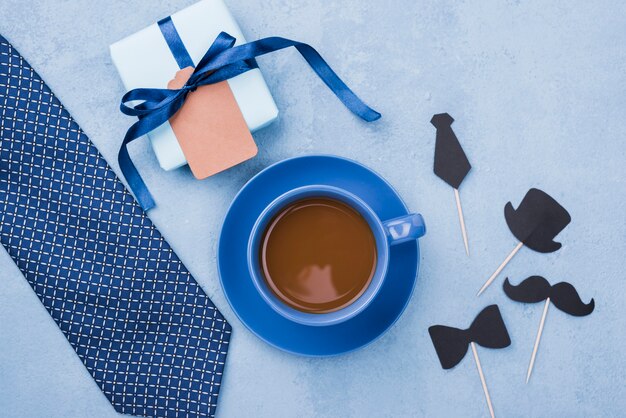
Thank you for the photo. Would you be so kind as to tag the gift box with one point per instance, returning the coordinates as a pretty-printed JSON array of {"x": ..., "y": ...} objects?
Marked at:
[
  {"x": 211, "y": 132},
  {"x": 197, "y": 92}
]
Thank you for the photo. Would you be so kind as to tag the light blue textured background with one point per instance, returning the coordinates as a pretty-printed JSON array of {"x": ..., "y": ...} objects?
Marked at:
[{"x": 538, "y": 90}]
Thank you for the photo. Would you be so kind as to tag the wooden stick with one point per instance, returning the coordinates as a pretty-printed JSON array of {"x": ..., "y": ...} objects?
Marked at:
[
  {"x": 461, "y": 219},
  {"x": 499, "y": 269},
  {"x": 482, "y": 379},
  {"x": 532, "y": 358}
]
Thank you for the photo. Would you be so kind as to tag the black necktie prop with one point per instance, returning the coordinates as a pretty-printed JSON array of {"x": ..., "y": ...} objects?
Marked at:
[
  {"x": 535, "y": 223},
  {"x": 451, "y": 163},
  {"x": 487, "y": 330},
  {"x": 536, "y": 289}
]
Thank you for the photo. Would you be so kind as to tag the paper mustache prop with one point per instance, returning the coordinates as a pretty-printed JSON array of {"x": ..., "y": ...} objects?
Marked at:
[
  {"x": 535, "y": 223},
  {"x": 536, "y": 289},
  {"x": 451, "y": 163},
  {"x": 487, "y": 330}
]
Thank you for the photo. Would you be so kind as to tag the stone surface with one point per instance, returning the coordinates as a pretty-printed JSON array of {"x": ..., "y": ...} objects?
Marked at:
[{"x": 537, "y": 91}]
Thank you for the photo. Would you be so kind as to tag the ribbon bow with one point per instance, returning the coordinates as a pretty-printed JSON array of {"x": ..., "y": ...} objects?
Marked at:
[
  {"x": 487, "y": 330},
  {"x": 222, "y": 61}
]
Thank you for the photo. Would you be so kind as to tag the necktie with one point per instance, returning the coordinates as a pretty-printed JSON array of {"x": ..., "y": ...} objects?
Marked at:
[
  {"x": 451, "y": 163},
  {"x": 145, "y": 330}
]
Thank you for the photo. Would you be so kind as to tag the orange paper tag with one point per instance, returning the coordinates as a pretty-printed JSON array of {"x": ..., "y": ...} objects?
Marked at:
[{"x": 210, "y": 128}]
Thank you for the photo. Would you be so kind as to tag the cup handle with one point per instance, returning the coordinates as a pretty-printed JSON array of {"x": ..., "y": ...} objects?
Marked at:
[{"x": 404, "y": 228}]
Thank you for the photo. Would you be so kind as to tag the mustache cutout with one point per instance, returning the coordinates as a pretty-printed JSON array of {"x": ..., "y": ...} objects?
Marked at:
[{"x": 536, "y": 289}]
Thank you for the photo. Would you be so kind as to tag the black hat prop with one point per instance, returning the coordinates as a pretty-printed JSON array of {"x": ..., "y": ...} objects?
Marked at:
[
  {"x": 536, "y": 289},
  {"x": 535, "y": 223},
  {"x": 537, "y": 220},
  {"x": 451, "y": 163}
]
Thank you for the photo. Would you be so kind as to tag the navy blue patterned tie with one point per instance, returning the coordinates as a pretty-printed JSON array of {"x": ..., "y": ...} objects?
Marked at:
[{"x": 145, "y": 330}]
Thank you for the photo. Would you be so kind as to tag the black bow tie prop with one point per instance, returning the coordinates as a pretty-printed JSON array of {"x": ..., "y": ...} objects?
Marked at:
[
  {"x": 487, "y": 330},
  {"x": 535, "y": 223},
  {"x": 536, "y": 289},
  {"x": 451, "y": 163}
]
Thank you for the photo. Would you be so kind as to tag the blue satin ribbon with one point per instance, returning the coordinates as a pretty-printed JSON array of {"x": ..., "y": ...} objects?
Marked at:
[
  {"x": 222, "y": 61},
  {"x": 176, "y": 45}
]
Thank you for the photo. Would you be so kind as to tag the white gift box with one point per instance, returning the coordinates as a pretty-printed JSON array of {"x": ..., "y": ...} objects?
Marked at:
[{"x": 145, "y": 60}]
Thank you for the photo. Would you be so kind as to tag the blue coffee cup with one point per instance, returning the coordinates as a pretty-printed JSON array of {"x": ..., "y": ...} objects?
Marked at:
[{"x": 386, "y": 233}]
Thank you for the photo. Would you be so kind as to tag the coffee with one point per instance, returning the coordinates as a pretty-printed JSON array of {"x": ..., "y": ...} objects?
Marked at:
[{"x": 318, "y": 255}]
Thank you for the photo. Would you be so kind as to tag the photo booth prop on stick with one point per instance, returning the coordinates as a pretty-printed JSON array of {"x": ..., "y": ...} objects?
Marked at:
[
  {"x": 487, "y": 330},
  {"x": 536, "y": 289},
  {"x": 537, "y": 220},
  {"x": 451, "y": 163}
]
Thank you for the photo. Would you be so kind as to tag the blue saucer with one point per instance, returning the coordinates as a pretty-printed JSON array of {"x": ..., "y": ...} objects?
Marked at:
[{"x": 243, "y": 297}]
